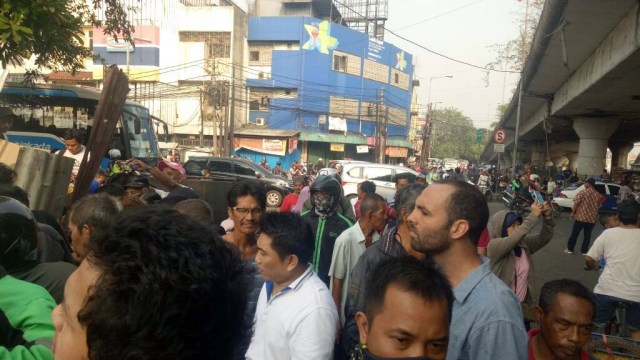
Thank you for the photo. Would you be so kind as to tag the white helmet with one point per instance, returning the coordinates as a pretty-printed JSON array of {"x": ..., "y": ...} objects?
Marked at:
[
  {"x": 534, "y": 177},
  {"x": 114, "y": 154}
]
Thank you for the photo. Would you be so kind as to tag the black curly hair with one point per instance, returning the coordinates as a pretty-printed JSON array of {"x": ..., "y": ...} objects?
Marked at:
[{"x": 167, "y": 290}]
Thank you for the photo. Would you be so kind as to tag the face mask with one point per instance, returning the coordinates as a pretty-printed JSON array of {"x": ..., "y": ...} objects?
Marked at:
[
  {"x": 323, "y": 203},
  {"x": 362, "y": 353}
]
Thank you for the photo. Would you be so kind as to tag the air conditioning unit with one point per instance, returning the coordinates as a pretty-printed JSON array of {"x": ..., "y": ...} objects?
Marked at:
[
  {"x": 260, "y": 121},
  {"x": 261, "y": 75}
]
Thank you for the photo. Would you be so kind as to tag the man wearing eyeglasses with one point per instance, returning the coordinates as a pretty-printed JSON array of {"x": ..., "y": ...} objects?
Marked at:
[{"x": 246, "y": 205}]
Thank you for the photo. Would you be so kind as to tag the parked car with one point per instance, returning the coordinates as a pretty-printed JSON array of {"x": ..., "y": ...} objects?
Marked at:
[
  {"x": 609, "y": 190},
  {"x": 222, "y": 168},
  {"x": 355, "y": 172}
]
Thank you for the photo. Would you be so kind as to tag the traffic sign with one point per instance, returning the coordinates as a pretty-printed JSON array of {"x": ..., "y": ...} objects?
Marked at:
[
  {"x": 498, "y": 148},
  {"x": 500, "y": 137}
]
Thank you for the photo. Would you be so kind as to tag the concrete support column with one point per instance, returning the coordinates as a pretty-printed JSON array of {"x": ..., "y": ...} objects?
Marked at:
[
  {"x": 538, "y": 154},
  {"x": 573, "y": 159},
  {"x": 594, "y": 137},
  {"x": 620, "y": 154}
]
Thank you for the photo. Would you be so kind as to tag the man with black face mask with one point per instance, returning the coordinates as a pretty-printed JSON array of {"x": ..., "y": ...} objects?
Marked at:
[
  {"x": 327, "y": 224},
  {"x": 411, "y": 303}
]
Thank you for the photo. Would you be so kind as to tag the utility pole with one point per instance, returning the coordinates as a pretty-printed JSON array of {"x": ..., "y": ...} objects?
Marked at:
[
  {"x": 232, "y": 110},
  {"x": 202, "y": 117},
  {"x": 382, "y": 131}
]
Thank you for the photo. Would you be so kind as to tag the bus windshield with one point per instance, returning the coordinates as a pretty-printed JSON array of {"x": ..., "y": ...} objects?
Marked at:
[{"x": 45, "y": 111}]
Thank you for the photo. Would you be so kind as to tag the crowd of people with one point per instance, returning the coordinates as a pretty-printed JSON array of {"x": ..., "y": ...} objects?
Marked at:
[{"x": 139, "y": 269}]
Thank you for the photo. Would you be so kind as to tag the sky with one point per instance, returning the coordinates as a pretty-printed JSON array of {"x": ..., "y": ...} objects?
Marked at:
[{"x": 463, "y": 30}]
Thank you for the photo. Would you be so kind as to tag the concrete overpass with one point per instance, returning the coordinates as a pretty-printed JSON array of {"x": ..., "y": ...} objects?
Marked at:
[{"x": 581, "y": 91}]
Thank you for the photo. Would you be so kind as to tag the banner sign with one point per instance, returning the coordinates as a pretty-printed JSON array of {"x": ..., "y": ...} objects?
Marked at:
[
  {"x": 266, "y": 146},
  {"x": 396, "y": 152},
  {"x": 362, "y": 149},
  {"x": 337, "y": 147}
]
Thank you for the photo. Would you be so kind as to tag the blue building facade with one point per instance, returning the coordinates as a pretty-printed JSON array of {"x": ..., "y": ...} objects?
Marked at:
[{"x": 343, "y": 93}]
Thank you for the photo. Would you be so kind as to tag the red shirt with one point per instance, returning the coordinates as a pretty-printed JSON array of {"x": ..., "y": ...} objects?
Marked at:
[
  {"x": 533, "y": 332},
  {"x": 289, "y": 202},
  {"x": 483, "y": 242}
]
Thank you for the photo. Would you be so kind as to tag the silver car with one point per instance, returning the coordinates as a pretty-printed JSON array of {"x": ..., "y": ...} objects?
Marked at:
[{"x": 382, "y": 175}]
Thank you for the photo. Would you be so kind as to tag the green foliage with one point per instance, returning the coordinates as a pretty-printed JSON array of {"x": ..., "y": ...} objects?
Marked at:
[
  {"x": 453, "y": 134},
  {"x": 52, "y": 30}
]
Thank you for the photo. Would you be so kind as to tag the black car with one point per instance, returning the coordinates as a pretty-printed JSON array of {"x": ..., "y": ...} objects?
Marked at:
[{"x": 239, "y": 169}]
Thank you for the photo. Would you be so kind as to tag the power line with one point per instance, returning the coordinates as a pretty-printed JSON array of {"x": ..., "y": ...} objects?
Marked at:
[{"x": 432, "y": 51}]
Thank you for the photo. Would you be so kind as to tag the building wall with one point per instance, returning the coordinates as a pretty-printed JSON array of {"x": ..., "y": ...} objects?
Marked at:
[{"x": 340, "y": 72}]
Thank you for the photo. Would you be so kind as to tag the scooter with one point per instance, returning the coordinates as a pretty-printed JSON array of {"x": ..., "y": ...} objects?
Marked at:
[{"x": 514, "y": 201}]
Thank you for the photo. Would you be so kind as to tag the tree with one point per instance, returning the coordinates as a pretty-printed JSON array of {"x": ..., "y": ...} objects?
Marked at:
[
  {"x": 453, "y": 134},
  {"x": 512, "y": 54},
  {"x": 51, "y": 30}
]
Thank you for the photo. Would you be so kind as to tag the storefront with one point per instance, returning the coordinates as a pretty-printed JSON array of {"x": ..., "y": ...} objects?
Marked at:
[{"x": 274, "y": 145}]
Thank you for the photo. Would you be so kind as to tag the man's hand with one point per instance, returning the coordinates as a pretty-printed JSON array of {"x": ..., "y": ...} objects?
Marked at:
[{"x": 139, "y": 164}]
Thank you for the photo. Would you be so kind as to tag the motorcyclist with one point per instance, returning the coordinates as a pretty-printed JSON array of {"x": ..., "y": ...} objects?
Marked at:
[
  {"x": 25, "y": 309},
  {"x": 325, "y": 221}
]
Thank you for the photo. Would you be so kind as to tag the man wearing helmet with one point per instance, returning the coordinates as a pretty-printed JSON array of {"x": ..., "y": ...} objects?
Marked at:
[
  {"x": 327, "y": 224},
  {"x": 26, "y": 329}
]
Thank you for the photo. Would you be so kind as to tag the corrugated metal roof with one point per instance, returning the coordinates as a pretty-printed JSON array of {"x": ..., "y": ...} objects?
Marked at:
[
  {"x": 45, "y": 177},
  {"x": 265, "y": 132}
]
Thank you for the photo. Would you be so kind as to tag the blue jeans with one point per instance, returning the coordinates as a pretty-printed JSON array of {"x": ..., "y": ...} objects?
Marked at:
[
  {"x": 605, "y": 309},
  {"x": 575, "y": 231}
]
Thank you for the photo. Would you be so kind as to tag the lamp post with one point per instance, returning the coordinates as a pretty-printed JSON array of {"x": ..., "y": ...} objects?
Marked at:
[{"x": 430, "y": 81}]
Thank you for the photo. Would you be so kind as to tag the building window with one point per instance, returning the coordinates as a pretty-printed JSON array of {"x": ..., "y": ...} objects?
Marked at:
[
  {"x": 254, "y": 56},
  {"x": 396, "y": 78},
  {"x": 340, "y": 63},
  {"x": 217, "y": 44}
]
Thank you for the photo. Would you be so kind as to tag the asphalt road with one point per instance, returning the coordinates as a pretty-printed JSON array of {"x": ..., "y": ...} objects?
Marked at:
[{"x": 551, "y": 262}]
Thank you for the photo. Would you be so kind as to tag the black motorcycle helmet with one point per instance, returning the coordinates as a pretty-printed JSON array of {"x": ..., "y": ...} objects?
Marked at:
[
  {"x": 18, "y": 231},
  {"x": 326, "y": 184}
]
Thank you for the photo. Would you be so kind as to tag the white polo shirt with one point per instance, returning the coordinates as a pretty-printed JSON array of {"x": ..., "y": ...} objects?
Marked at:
[{"x": 297, "y": 323}]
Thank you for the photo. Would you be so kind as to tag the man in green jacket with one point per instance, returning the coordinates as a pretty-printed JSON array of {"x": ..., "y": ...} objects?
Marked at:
[{"x": 26, "y": 329}]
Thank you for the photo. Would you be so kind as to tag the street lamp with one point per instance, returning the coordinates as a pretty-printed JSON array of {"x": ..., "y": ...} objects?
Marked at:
[{"x": 430, "y": 81}]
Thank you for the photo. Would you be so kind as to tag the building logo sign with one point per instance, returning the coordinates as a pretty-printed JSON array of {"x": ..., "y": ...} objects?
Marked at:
[
  {"x": 337, "y": 147},
  {"x": 320, "y": 38},
  {"x": 402, "y": 63}
]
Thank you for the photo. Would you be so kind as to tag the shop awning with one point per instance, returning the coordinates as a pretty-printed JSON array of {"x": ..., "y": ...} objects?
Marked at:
[{"x": 265, "y": 132}]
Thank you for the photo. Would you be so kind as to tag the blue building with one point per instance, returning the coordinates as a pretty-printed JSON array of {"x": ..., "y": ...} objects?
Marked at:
[{"x": 317, "y": 89}]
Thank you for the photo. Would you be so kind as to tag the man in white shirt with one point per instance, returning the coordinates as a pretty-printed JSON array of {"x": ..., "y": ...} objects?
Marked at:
[
  {"x": 620, "y": 280},
  {"x": 351, "y": 244},
  {"x": 295, "y": 315},
  {"x": 75, "y": 150}
]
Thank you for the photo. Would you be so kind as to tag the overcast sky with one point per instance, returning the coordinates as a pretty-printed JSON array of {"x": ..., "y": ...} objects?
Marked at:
[{"x": 464, "y": 30}]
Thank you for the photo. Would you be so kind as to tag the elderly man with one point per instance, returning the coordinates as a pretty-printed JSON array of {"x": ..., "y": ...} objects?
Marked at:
[{"x": 565, "y": 314}]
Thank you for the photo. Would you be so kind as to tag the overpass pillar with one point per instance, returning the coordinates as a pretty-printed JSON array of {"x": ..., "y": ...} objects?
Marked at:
[
  {"x": 594, "y": 134},
  {"x": 573, "y": 159},
  {"x": 538, "y": 154},
  {"x": 620, "y": 154}
]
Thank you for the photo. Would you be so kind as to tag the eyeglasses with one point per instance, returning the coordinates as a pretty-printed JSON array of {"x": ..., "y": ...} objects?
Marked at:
[{"x": 244, "y": 211}]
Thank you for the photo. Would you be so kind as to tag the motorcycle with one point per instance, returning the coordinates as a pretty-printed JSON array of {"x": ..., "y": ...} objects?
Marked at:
[{"x": 515, "y": 202}]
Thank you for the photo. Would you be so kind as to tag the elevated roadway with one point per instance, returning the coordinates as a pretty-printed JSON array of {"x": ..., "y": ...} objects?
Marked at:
[{"x": 581, "y": 88}]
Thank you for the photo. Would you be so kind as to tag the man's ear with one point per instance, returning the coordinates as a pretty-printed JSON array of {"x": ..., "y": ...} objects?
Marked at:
[
  {"x": 539, "y": 314},
  {"x": 230, "y": 212},
  {"x": 292, "y": 262},
  {"x": 363, "y": 326},
  {"x": 458, "y": 229},
  {"x": 85, "y": 231}
]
